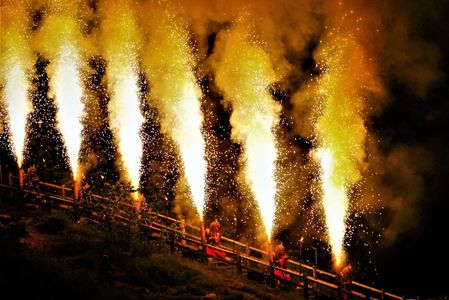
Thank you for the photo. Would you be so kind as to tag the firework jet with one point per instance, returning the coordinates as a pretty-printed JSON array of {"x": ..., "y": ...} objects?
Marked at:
[
  {"x": 120, "y": 42},
  {"x": 244, "y": 73},
  {"x": 62, "y": 40},
  {"x": 169, "y": 68},
  {"x": 16, "y": 59},
  {"x": 340, "y": 129}
]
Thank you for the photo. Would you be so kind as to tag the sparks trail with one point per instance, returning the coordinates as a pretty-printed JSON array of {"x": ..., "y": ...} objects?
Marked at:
[
  {"x": 16, "y": 61},
  {"x": 174, "y": 91},
  {"x": 120, "y": 46},
  {"x": 244, "y": 73}
]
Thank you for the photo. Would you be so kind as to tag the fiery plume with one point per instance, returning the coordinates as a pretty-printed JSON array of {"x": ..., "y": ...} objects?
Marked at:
[
  {"x": 244, "y": 73},
  {"x": 169, "y": 67},
  {"x": 120, "y": 41},
  {"x": 61, "y": 40},
  {"x": 15, "y": 61},
  {"x": 340, "y": 128}
]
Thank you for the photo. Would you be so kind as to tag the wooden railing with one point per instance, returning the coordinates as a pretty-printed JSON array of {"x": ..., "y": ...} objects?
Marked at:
[{"x": 188, "y": 237}]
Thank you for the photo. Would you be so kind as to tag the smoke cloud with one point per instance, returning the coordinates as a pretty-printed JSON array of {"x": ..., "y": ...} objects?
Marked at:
[{"x": 335, "y": 63}]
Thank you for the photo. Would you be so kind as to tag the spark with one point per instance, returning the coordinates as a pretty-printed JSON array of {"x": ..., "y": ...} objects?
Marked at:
[
  {"x": 244, "y": 73},
  {"x": 16, "y": 59},
  {"x": 169, "y": 63},
  {"x": 69, "y": 92},
  {"x": 120, "y": 41}
]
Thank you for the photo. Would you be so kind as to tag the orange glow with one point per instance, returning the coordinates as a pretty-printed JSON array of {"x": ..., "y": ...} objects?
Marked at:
[
  {"x": 340, "y": 130},
  {"x": 244, "y": 73},
  {"x": 120, "y": 42},
  {"x": 169, "y": 66},
  {"x": 15, "y": 61},
  {"x": 61, "y": 41}
]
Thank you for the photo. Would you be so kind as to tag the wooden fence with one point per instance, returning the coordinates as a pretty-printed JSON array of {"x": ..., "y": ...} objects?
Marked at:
[{"x": 188, "y": 237}]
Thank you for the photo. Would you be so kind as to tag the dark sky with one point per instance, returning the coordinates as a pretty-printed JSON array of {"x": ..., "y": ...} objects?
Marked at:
[{"x": 415, "y": 260}]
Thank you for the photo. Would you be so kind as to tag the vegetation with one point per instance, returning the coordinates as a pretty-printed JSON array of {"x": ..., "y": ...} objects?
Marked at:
[{"x": 45, "y": 255}]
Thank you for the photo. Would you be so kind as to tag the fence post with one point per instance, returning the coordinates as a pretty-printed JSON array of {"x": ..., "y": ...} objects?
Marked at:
[
  {"x": 172, "y": 243},
  {"x": 272, "y": 279},
  {"x": 11, "y": 192},
  {"x": 339, "y": 287},
  {"x": 239, "y": 264},
  {"x": 183, "y": 231},
  {"x": 305, "y": 282},
  {"x": 63, "y": 191},
  {"x": 203, "y": 243},
  {"x": 382, "y": 296},
  {"x": 21, "y": 178},
  {"x": 314, "y": 277}
]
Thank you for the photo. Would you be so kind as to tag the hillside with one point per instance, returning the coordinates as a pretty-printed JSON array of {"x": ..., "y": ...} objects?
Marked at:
[{"x": 45, "y": 255}]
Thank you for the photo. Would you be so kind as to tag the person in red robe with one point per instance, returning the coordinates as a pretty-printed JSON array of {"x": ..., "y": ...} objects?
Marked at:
[
  {"x": 280, "y": 260},
  {"x": 213, "y": 237}
]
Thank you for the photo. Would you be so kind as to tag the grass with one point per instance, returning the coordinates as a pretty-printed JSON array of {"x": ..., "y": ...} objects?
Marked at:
[{"x": 52, "y": 258}]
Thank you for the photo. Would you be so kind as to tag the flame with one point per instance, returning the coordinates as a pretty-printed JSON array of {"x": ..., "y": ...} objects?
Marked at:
[
  {"x": 120, "y": 40},
  {"x": 244, "y": 72},
  {"x": 340, "y": 129},
  {"x": 335, "y": 203},
  {"x": 169, "y": 62},
  {"x": 61, "y": 41},
  {"x": 69, "y": 92},
  {"x": 16, "y": 59}
]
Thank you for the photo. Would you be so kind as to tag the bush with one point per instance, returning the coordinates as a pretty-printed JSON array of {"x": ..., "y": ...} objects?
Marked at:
[{"x": 56, "y": 222}]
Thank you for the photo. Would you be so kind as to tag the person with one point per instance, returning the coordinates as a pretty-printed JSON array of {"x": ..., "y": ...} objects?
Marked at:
[
  {"x": 280, "y": 260},
  {"x": 213, "y": 237},
  {"x": 84, "y": 206},
  {"x": 32, "y": 185},
  {"x": 346, "y": 280},
  {"x": 84, "y": 193},
  {"x": 105, "y": 270},
  {"x": 31, "y": 172}
]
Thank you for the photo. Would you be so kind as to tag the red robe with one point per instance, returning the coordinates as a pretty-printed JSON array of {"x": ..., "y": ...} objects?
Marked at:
[
  {"x": 214, "y": 239},
  {"x": 278, "y": 274}
]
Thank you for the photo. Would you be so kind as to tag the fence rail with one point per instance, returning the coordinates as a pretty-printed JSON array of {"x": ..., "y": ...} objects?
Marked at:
[{"x": 188, "y": 237}]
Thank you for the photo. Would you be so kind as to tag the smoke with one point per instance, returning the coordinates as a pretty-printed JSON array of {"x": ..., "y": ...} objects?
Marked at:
[
  {"x": 169, "y": 63},
  {"x": 119, "y": 38},
  {"x": 394, "y": 188},
  {"x": 337, "y": 62},
  {"x": 243, "y": 71},
  {"x": 15, "y": 62},
  {"x": 361, "y": 49}
]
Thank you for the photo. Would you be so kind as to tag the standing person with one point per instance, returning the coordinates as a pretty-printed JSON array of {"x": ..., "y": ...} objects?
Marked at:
[
  {"x": 32, "y": 185},
  {"x": 84, "y": 193},
  {"x": 346, "y": 280},
  {"x": 85, "y": 198},
  {"x": 106, "y": 271},
  {"x": 213, "y": 237},
  {"x": 280, "y": 260},
  {"x": 213, "y": 233},
  {"x": 31, "y": 172}
]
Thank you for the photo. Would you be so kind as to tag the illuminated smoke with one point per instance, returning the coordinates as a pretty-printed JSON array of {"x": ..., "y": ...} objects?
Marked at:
[
  {"x": 120, "y": 48},
  {"x": 335, "y": 203},
  {"x": 16, "y": 60},
  {"x": 61, "y": 41},
  {"x": 244, "y": 73},
  {"x": 68, "y": 91},
  {"x": 169, "y": 68},
  {"x": 340, "y": 129}
]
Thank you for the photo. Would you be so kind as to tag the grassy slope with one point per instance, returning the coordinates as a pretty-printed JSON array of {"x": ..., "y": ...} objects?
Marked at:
[{"x": 48, "y": 257}]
